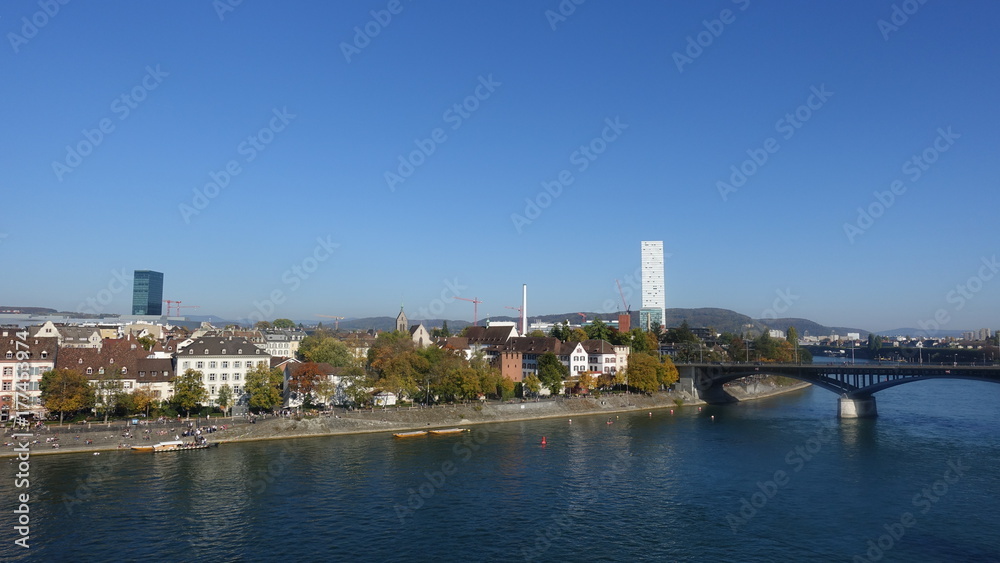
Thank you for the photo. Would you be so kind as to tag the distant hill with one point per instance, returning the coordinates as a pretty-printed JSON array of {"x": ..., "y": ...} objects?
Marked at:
[
  {"x": 27, "y": 310},
  {"x": 805, "y": 326},
  {"x": 921, "y": 332}
]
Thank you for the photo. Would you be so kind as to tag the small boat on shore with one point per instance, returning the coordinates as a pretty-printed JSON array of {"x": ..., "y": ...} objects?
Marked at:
[
  {"x": 413, "y": 434},
  {"x": 449, "y": 431}
]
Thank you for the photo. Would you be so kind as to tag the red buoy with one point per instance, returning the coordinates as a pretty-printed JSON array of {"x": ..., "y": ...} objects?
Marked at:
[{"x": 543, "y": 440}]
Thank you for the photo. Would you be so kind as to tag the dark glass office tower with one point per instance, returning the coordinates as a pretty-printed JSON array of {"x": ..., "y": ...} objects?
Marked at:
[{"x": 147, "y": 293}]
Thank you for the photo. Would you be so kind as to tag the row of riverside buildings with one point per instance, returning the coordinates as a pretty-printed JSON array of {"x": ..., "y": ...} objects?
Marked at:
[{"x": 225, "y": 356}]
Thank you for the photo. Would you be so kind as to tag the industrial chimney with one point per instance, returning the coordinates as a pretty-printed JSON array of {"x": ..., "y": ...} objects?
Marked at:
[{"x": 524, "y": 310}]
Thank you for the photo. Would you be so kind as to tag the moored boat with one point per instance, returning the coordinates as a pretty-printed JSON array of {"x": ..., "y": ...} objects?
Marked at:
[
  {"x": 449, "y": 431},
  {"x": 410, "y": 434},
  {"x": 174, "y": 446}
]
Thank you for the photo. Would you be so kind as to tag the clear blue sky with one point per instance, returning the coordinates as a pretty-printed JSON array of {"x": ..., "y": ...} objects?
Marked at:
[{"x": 197, "y": 85}]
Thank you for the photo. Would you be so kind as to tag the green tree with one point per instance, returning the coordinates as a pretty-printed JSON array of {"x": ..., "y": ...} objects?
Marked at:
[
  {"x": 537, "y": 334},
  {"x": 642, "y": 372},
  {"x": 65, "y": 391},
  {"x": 262, "y": 325},
  {"x": 264, "y": 385},
  {"x": 225, "y": 398},
  {"x": 575, "y": 335},
  {"x": 323, "y": 348},
  {"x": 532, "y": 384},
  {"x": 147, "y": 342},
  {"x": 792, "y": 335},
  {"x": 283, "y": 323},
  {"x": 874, "y": 342},
  {"x": 109, "y": 392},
  {"x": 598, "y": 330},
  {"x": 552, "y": 372},
  {"x": 189, "y": 391}
]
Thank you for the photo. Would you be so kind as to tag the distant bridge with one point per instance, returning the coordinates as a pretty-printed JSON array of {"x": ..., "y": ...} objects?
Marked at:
[{"x": 855, "y": 383}]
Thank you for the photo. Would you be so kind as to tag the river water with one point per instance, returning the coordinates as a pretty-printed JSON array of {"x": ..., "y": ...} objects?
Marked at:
[{"x": 780, "y": 479}]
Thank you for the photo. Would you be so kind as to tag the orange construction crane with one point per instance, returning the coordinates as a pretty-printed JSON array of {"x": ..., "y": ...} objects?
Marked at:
[
  {"x": 176, "y": 306},
  {"x": 475, "y": 308},
  {"x": 584, "y": 317},
  {"x": 336, "y": 322},
  {"x": 628, "y": 308}
]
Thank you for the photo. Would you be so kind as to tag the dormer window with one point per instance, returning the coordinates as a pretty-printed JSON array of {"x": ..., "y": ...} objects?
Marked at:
[
  {"x": 206, "y": 350},
  {"x": 111, "y": 361},
  {"x": 10, "y": 355},
  {"x": 80, "y": 361},
  {"x": 90, "y": 370},
  {"x": 100, "y": 371},
  {"x": 124, "y": 371},
  {"x": 240, "y": 351},
  {"x": 45, "y": 354},
  {"x": 223, "y": 350}
]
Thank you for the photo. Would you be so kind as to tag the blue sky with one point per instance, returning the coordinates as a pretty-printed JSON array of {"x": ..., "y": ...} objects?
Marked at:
[{"x": 331, "y": 122}]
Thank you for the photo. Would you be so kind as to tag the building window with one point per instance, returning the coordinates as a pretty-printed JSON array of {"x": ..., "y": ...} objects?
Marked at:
[
  {"x": 124, "y": 371},
  {"x": 236, "y": 390},
  {"x": 211, "y": 365},
  {"x": 211, "y": 377},
  {"x": 225, "y": 364},
  {"x": 142, "y": 374},
  {"x": 127, "y": 384},
  {"x": 199, "y": 365},
  {"x": 187, "y": 364},
  {"x": 212, "y": 389},
  {"x": 90, "y": 371},
  {"x": 45, "y": 354},
  {"x": 240, "y": 351},
  {"x": 7, "y": 386},
  {"x": 225, "y": 377},
  {"x": 10, "y": 355},
  {"x": 237, "y": 364},
  {"x": 236, "y": 377},
  {"x": 166, "y": 373}
]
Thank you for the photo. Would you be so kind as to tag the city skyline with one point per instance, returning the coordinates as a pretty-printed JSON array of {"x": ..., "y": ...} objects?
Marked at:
[{"x": 828, "y": 162}]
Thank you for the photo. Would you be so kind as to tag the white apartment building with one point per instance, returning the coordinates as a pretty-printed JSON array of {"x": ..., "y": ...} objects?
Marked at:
[{"x": 222, "y": 360}]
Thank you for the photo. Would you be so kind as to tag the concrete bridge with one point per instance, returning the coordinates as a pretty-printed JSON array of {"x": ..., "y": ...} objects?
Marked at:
[{"x": 855, "y": 383}]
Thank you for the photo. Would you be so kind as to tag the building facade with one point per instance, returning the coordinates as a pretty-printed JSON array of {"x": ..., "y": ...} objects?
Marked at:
[
  {"x": 147, "y": 293},
  {"x": 654, "y": 300},
  {"x": 221, "y": 361}
]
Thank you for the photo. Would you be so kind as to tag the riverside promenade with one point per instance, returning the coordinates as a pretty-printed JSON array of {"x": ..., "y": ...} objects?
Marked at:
[{"x": 121, "y": 435}]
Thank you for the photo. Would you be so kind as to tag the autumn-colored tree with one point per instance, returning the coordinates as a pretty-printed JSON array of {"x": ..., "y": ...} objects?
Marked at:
[
  {"x": 532, "y": 384},
  {"x": 587, "y": 381},
  {"x": 65, "y": 391},
  {"x": 305, "y": 377},
  {"x": 224, "y": 398},
  {"x": 141, "y": 400}
]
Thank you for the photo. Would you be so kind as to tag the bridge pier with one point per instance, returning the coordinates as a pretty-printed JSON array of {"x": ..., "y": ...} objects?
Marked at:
[{"x": 858, "y": 407}]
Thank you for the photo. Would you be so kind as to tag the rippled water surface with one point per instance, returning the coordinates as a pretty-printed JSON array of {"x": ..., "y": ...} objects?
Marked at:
[{"x": 660, "y": 487}]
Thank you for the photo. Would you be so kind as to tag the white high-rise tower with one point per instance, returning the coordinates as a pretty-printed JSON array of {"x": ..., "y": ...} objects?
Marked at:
[{"x": 654, "y": 301}]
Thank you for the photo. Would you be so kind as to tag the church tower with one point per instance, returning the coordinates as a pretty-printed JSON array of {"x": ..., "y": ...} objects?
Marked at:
[{"x": 401, "y": 323}]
